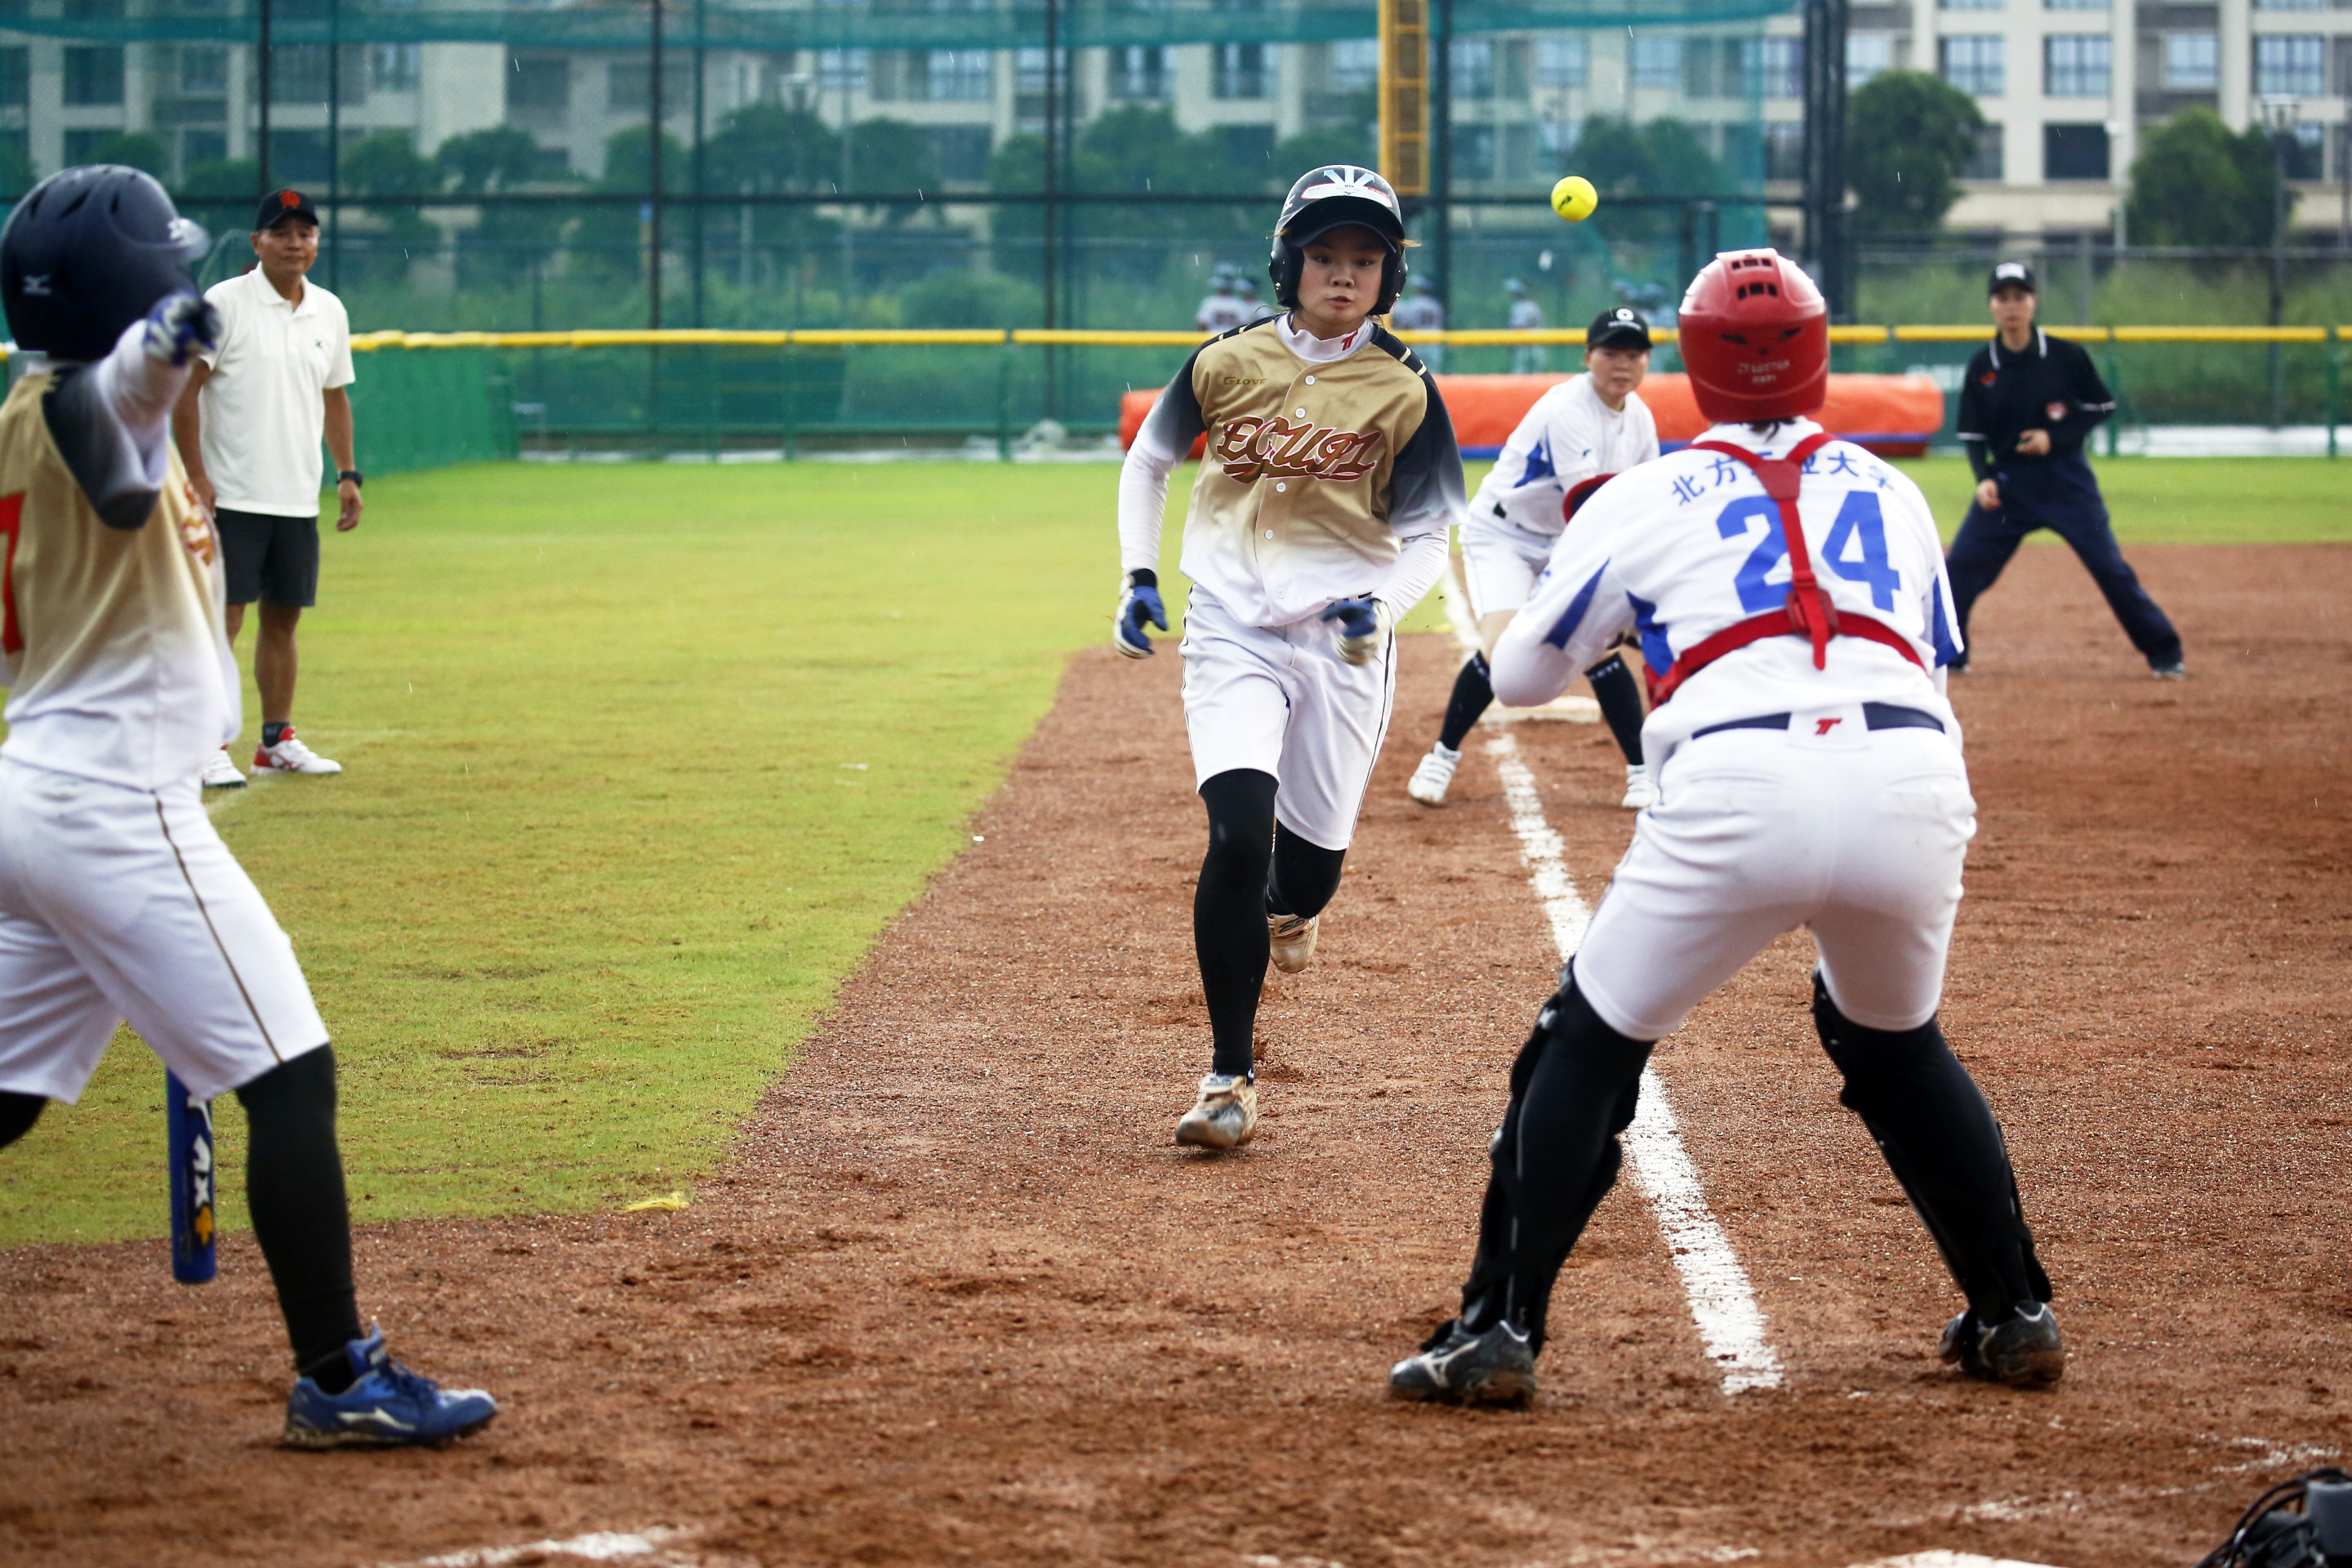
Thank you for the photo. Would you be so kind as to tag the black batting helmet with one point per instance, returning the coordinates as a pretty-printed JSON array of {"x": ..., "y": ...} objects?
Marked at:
[
  {"x": 88, "y": 252},
  {"x": 1332, "y": 196}
]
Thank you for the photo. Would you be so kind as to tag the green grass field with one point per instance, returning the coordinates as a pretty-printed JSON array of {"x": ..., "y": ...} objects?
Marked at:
[{"x": 642, "y": 759}]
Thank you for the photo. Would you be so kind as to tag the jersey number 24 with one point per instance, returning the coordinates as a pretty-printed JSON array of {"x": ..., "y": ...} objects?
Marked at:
[{"x": 1860, "y": 527}]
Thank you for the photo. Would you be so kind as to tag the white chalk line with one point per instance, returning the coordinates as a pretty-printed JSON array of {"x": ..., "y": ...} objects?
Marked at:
[
  {"x": 597, "y": 1546},
  {"x": 1722, "y": 1303}
]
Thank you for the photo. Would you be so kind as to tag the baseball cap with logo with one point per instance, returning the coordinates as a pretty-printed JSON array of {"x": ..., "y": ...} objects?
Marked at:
[
  {"x": 279, "y": 206},
  {"x": 2009, "y": 274},
  {"x": 1620, "y": 328}
]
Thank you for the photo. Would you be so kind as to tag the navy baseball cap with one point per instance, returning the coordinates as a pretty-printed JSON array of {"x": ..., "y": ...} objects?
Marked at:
[
  {"x": 2012, "y": 273},
  {"x": 1620, "y": 328},
  {"x": 279, "y": 206}
]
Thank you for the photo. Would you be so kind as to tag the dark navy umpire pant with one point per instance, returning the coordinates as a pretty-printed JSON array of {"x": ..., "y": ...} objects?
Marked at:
[{"x": 2060, "y": 495}]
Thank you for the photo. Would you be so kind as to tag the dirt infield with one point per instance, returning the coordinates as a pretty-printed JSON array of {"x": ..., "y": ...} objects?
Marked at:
[{"x": 959, "y": 1300}]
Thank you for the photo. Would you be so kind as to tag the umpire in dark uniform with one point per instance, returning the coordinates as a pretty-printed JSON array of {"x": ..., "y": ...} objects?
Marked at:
[{"x": 2028, "y": 404}]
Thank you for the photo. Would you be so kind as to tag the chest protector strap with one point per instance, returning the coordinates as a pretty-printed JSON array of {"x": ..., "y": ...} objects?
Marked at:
[{"x": 1808, "y": 611}]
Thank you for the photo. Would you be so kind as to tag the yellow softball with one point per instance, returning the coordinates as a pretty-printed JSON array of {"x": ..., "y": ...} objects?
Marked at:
[{"x": 1574, "y": 198}]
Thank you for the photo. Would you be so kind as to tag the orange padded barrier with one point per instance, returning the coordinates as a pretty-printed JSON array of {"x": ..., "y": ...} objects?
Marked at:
[{"x": 1893, "y": 416}]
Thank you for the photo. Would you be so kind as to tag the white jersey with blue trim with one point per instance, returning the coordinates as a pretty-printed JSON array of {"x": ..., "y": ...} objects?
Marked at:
[
  {"x": 1566, "y": 438},
  {"x": 1689, "y": 545}
]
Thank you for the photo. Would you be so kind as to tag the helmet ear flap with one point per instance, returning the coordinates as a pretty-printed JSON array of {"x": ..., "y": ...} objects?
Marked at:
[{"x": 1282, "y": 270}]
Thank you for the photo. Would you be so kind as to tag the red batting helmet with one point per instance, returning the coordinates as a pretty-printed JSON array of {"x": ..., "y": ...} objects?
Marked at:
[{"x": 1755, "y": 336}]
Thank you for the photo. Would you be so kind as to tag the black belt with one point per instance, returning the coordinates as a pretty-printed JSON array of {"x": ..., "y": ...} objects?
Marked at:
[{"x": 1876, "y": 715}]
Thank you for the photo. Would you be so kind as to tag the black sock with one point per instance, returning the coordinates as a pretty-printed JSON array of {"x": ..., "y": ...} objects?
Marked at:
[
  {"x": 273, "y": 734},
  {"x": 1620, "y": 696},
  {"x": 17, "y": 1114},
  {"x": 1473, "y": 695},
  {"x": 1229, "y": 911},
  {"x": 1305, "y": 875},
  {"x": 294, "y": 1188}
]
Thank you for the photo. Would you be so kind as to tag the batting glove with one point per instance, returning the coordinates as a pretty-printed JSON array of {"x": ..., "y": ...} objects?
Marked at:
[
  {"x": 180, "y": 326},
  {"x": 1139, "y": 604},
  {"x": 1363, "y": 626}
]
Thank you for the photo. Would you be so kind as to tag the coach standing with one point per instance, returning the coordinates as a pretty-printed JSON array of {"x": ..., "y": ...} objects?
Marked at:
[
  {"x": 248, "y": 428},
  {"x": 2029, "y": 403}
]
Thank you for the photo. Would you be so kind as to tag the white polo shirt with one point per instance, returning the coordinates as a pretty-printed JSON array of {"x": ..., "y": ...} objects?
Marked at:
[{"x": 263, "y": 413}]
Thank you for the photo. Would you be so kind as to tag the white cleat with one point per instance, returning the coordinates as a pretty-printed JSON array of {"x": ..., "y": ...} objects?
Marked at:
[
  {"x": 1291, "y": 941},
  {"x": 221, "y": 774},
  {"x": 1640, "y": 793},
  {"x": 1224, "y": 1116},
  {"x": 1431, "y": 779},
  {"x": 291, "y": 756}
]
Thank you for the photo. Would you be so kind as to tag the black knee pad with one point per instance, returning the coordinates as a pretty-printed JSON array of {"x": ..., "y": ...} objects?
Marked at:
[{"x": 17, "y": 1114}]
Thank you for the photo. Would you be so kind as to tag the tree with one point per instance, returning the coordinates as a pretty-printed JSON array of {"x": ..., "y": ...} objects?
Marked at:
[
  {"x": 1352, "y": 138},
  {"x": 891, "y": 155},
  {"x": 2196, "y": 182},
  {"x": 136, "y": 150},
  {"x": 385, "y": 165},
  {"x": 499, "y": 158},
  {"x": 1663, "y": 158},
  {"x": 1908, "y": 135},
  {"x": 769, "y": 147}
]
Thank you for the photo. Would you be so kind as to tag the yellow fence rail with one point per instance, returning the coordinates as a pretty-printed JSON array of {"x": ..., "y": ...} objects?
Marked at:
[{"x": 1075, "y": 337}]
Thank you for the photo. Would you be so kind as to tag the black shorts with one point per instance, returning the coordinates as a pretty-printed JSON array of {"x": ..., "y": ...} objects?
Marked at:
[{"x": 268, "y": 557}]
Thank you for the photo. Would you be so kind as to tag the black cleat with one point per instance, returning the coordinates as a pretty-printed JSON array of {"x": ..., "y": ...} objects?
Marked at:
[
  {"x": 1456, "y": 1366},
  {"x": 2023, "y": 1348}
]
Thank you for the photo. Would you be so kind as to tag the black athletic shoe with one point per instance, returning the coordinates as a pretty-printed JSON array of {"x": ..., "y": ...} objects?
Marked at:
[
  {"x": 2023, "y": 1348},
  {"x": 1459, "y": 1367}
]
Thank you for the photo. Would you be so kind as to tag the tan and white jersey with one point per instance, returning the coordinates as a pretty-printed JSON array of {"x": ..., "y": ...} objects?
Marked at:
[
  {"x": 1330, "y": 466},
  {"x": 116, "y": 661}
]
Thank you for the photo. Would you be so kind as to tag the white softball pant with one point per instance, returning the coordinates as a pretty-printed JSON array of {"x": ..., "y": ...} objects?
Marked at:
[
  {"x": 1281, "y": 699},
  {"x": 1856, "y": 834},
  {"x": 1500, "y": 564},
  {"x": 116, "y": 904}
]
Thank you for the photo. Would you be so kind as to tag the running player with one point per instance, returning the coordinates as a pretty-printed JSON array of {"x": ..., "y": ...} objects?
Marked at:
[
  {"x": 1319, "y": 519},
  {"x": 1577, "y": 435},
  {"x": 116, "y": 899},
  {"x": 1790, "y": 594}
]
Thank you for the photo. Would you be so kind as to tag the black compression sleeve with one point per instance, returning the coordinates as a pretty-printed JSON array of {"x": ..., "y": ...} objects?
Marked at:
[
  {"x": 294, "y": 1187},
  {"x": 17, "y": 1114},
  {"x": 1305, "y": 875},
  {"x": 1473, "y": 693},
  {"x": 1620, "y": 696},
  {"x": 1229, "y": 910}
]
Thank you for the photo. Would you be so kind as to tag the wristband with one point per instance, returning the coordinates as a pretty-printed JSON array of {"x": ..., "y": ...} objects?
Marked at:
[{"x": 353, "y": 474}]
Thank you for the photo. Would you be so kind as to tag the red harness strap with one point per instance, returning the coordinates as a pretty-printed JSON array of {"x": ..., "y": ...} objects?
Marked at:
[{"x": 1808, "y": 613}]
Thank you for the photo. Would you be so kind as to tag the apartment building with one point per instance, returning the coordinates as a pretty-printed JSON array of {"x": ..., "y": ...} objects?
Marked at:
[{"x": 2068, "y": 86}]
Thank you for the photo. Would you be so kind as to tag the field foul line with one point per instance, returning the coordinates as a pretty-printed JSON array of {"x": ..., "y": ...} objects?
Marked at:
[
  {"x": 1722, "y": 1303},
  {"x": 598, "y": 1546}
]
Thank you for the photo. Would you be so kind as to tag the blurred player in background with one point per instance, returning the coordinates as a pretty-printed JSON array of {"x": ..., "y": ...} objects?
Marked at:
[
  {"x": 1577, "y": 434},
  {"x": 1527, "y": 316},
  {"x": 116, "y": 899},
  {"x": 249, "y": 428},
  {"x": 1320, "y": 517},
  {"x": 1223, "y": 309},
  {"x": 2028, "y": 403},
  {"x": 1790, "y": 594},
  {"x": 1420, "y": 311}
]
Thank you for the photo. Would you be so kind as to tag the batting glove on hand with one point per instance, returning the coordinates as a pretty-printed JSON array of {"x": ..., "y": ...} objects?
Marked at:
[
  {"x": 180, "y": 326},
  {"x": 1363, "y": 626},
  {"x": 1139, "y": 604}
]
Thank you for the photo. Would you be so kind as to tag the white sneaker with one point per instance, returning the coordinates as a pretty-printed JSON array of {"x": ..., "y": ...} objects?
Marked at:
[
  {"x": 1430, "y": 779},
  {"x": 1291, "y": 941},
  {"x": 1640, "y": 793},
  {"x": 221, "y": 774},
  {"x": 1224, "y": 1116},
  {"x": 291, "y": 756}
]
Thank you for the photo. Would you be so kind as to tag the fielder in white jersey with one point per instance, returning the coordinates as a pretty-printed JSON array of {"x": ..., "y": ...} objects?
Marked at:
[
  {"x": 116, "y": 899},
  {"x": 1320, "y": 517},
  {"x": 1789, "y": 594},
  {"x": 1576, "y": 437},
  {"x": 1224, "y": 307}
]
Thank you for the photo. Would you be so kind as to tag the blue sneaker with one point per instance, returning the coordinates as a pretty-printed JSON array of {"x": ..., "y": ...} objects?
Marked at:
[{"x": 389, "y": 1405}]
